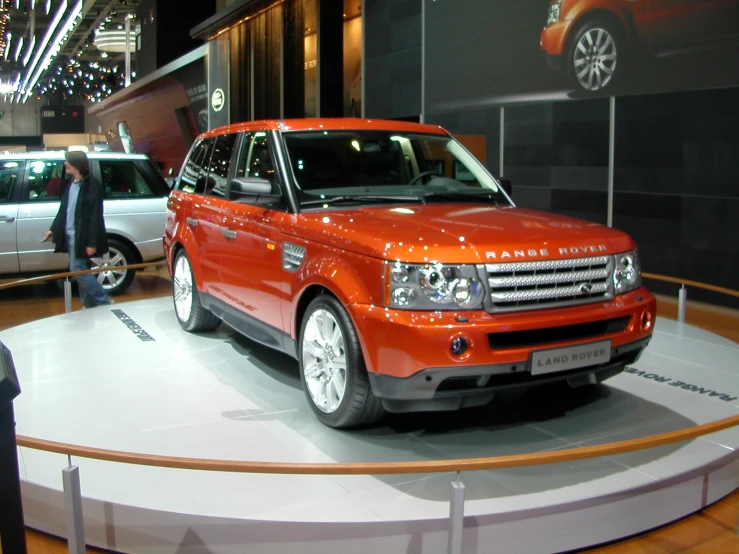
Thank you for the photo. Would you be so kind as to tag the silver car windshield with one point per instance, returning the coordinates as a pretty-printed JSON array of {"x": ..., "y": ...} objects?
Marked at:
[{"x": 377, "y": 165}]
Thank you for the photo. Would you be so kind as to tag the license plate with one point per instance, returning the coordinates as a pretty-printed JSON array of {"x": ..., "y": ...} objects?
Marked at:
[{"x": 570, "y": 357}]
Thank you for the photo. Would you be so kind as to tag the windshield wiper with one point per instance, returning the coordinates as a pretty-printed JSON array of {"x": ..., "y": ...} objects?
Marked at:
[
  {"x": 360, "y": 199},
  {"x": 465, "y": 196}
]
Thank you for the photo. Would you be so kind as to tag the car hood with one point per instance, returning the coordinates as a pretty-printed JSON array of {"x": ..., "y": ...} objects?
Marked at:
[{"x": 459, "y": 233}]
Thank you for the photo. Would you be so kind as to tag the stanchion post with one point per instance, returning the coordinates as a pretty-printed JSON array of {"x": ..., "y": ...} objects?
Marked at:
[
  {"x": 67, "y": 295},
  {"x": 456, "y": 517},
  {"x": 73, "y": 509},
  {"x": 682, "y": 299}
]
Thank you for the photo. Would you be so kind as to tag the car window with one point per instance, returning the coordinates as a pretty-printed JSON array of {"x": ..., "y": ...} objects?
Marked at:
[
  {"x": 122, "y": 179},
  {"x": 220, "y": 162},
  {"x": 255, "y": 158},
  {"x": 195, "y": 170},
  {"x": 11, "y": 174},
  {"x": 45, "y": 179}
]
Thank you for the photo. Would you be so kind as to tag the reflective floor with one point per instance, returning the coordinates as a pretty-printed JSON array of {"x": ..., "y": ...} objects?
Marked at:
[{"x": 221, "y": 396}]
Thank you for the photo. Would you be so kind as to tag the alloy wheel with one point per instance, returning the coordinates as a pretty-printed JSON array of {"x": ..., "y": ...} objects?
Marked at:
[
  {"x": 113, "y": 261},
  {"x": 324, "y": 361},
  {"x": 183, "y": 283},
  {"x": 595, "y": 59}
]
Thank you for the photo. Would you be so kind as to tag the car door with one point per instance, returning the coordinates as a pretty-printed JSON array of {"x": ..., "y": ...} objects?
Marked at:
[
  {"x": 253, "y": 262},
  {"x": 39, "y": 204},
  {"x": 11, "y": 178}
]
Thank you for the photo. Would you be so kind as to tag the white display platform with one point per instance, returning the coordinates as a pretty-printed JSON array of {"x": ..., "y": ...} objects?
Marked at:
[{"x": 89, "y": 379}]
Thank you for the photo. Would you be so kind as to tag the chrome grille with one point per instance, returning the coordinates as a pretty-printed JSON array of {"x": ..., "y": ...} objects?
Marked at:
[{"x": 548, "y": 284}]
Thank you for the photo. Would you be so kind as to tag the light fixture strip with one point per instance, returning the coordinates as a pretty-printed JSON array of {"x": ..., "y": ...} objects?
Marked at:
[
  {"x": 8, "y": 37},
  {"x": 54, "y": 50},
  {"x": 50, "y": 31},
  {"x": 19, "y": 48},
  {"x": 29, "y": 51}
]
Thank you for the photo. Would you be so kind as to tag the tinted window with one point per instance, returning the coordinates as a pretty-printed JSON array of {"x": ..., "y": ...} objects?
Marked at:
[
  {"x": 45, "y": 179},
  {"x": 11, "y": 174},
  {"x": 220, "y": 163},
  {"x": 255, "y": 159},
  {"x": 195, "y": 172},
  {"x": 121, "y": 179}
]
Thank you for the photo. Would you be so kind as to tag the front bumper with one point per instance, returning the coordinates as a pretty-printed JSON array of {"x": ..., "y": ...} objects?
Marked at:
[
  {"x": 553, "y": 39},
  {"x": 444, "y": 388},
  {"x": 410, "y": 352}
]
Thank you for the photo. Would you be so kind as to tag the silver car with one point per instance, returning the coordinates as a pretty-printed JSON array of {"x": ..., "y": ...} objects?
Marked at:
[{"x": 134, "y": 207}]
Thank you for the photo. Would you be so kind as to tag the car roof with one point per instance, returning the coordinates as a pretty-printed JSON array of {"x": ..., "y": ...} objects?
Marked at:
[
  {"x": 59, "y": 154},
  {"x": 327, "y": 123}
]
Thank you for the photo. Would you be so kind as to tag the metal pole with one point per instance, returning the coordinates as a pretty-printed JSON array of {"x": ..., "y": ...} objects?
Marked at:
[
  {"x": 456, "y": 517},
  {"x": 73, "y": 509},
  {"x": 12, "y": 526},
  {"x": 682, "y": 299},
  {"x": 128, "y": 50},
  {"x": 67, "y": 295}
]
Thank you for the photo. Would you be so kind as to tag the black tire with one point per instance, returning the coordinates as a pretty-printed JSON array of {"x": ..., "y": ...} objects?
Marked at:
[
  {"x": 358, "y": 405},
  {"x": 190, "y": 313},
  {"x": 119, "y": 254},
  {"x": 595, "y": 57}
]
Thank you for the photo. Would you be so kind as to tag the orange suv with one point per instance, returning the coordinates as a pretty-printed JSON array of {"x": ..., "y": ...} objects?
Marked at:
[
  {"x": 388, "y": 261},
  {"x": 590, "y": 38}
]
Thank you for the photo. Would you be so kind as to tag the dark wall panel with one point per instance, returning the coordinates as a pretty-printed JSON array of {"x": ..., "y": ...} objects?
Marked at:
[
  {"x": 392, "y": 58},
  {"x": 676, "y": 183}
]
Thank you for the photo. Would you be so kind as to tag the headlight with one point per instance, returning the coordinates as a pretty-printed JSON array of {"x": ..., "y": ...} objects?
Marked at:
[
  {"x": 432, "y": 286},
  {"x": 554, "y": 12},
  {"x": 626, "y": 272}
]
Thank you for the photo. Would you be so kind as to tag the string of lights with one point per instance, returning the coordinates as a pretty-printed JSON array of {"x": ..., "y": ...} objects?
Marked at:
[{"x": 65, "y": 50}]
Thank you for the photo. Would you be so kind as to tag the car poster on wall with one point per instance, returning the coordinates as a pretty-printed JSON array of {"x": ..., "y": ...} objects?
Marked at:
[{"x": 480, "y": 53}]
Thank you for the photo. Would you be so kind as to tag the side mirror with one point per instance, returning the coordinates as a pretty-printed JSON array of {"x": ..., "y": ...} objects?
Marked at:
[
  {"x": 253, "y": 190},
  {"x": 506, "y": 185}
]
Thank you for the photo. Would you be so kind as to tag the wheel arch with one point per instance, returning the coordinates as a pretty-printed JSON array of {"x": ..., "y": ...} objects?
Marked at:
[
  {"x": 621, "y": 19},
  {"x": 129, "y": 243}
]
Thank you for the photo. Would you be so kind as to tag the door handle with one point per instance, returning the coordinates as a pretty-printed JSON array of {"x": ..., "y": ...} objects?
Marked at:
[
  {"x": 228, "y": 233},
  {"x": 6, "y": 219},
  {"x": 192, "y": 222}
]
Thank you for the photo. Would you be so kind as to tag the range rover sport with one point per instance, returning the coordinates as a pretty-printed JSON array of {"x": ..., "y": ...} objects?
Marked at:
[{"x": 388, "y": 261}]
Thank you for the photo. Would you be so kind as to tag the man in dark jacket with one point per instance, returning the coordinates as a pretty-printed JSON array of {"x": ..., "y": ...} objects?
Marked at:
[{"x": 79, "y": 227}]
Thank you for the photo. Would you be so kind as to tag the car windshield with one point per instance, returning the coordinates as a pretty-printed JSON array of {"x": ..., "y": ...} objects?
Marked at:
[{"x": 390, "y": 166}]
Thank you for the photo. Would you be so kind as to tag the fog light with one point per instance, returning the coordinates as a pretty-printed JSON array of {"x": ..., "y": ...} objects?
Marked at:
[
  {"x": 647, "y": 320},
  {"x": 458, "y": 346}
]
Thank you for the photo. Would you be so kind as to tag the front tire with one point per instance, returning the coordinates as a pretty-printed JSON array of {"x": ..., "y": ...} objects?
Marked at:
[
  {"x": 191, "y": 314},
  {"x": 332, "y": 368},
  {"x": 594, "y": 56},
  {"x": 115, "y": 280}
]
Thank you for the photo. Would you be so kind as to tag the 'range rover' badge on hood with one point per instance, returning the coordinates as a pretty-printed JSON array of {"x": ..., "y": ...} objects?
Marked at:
[{"x": 545, "y": 253}]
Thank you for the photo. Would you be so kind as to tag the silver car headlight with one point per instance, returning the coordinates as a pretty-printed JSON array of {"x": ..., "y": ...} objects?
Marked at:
[
  {"x": 626, "y": 272},
  {"x": 555, "y": 10},
  {"x": 432, "y": 286}
]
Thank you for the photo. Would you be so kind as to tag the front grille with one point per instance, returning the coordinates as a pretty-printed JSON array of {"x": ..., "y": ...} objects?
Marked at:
[{"x": 518, "y": 286}]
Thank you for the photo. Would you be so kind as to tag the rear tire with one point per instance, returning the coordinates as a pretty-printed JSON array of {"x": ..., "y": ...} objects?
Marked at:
[
  {"x": 191, "y": 314},
  {"x": 332, "y": 368}
]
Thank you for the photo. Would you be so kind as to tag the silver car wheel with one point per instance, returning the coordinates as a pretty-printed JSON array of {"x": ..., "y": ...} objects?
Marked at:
[
  {"x": 595, "y": 59},
  {"x": 324, "y": 361},
  {"x": 183, "y": 284},
  {"x": 113, "y": 260}
]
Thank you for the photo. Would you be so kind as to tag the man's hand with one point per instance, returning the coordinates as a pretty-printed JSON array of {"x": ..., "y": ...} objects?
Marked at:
[
  {"x": 49, "y": 236},
  {"x": 90, "y": 250}
]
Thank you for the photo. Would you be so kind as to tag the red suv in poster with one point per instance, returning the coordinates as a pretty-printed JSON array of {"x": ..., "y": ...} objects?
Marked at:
[{"x": 594, "y": 40}]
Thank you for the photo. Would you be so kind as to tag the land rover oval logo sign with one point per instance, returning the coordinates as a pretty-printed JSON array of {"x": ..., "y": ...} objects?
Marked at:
[{"x": 218, "y": 100}]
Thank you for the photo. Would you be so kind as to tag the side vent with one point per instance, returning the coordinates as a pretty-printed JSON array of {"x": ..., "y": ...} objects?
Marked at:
[{"x": 292, "y": 256}]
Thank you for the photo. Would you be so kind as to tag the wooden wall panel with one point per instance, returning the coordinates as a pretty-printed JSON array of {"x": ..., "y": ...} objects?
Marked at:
[{"x": 151, "y": 116}]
